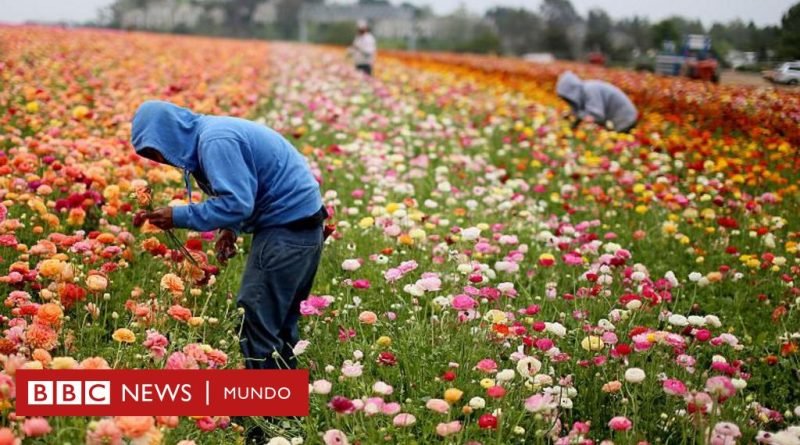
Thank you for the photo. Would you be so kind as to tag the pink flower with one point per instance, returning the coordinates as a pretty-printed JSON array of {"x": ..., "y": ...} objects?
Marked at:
[
  {"x": 390, "y": 408},
  {"x": 496, "y": 392},
  {"x": 463, "y": 302},
  {"x": 7, "y": 437},
  {"x": 725, "y": 433},
  {"x": 674, "y": 387},
  {"x": 446, "y": 429},
  {"x": 156, "y": 343},
  {"x": 206, "y": 424},
  {"x": 404, "y": 419},
  {"x": 179, "y": 360},
  {"x": 720, "y": 387},
  {"x": 540, "y": 403},
  {"x": 620, "y": 423},
  {"x": 438, "y": 405},
  {"x": 36, "y": 426},
  {"x": 179, "y": 312},
  {"x": 313, "y": 305},
  {"x": 361, "y": 283},
  {"x": 487, "y": 365},
  {"x": 106, "y": 432},
  {"x": 334, "y": 437}
]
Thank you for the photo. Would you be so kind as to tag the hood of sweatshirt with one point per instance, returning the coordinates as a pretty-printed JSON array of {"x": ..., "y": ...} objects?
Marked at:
[
  {"x": 169, "y": 129},
  {"x": 570, "y": 87}
]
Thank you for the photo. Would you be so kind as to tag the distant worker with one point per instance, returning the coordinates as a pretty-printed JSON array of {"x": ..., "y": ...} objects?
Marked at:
[
  {"x": 364, "y": 48},
  {"x": 598, "y": 101}
]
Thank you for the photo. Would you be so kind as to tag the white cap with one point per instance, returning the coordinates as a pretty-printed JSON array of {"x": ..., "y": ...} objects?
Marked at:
[{"x": 362, "y": 24}]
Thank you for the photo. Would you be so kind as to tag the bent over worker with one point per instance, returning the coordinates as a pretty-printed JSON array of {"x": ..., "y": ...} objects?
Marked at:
[
  {"x": 258, "y": 183},
  {"x": 596, "y": 100}
]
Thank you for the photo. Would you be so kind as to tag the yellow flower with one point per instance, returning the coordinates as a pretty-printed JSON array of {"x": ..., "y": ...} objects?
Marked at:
[
  {"x": 124, "y": 335},
  {"x": 366, "y": 222},
  {"x": 63, "y": 363},
  {"x": 495, "y": 316},
  {"x": 487, "y": 383},
  {"x": 592, "y": 343},
  {"x": 195, "y": 321},
  {"x": 384, "y": 341},
  {"x": 32, "y": 107},
  {"x": 80, "y": 112},
  {"x": 453, "y": 395}
]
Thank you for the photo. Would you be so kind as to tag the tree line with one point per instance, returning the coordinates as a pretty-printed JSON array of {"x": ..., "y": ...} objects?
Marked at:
[{"x": 555, "y": 27}]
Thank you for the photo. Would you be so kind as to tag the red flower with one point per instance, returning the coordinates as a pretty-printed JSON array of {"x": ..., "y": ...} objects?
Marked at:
[
  {"x": 487, "y": 422},
  {"x": 342, "y": 405},
  {"x": 449, "y": 376},
  {"x": 387, "y": 359}
]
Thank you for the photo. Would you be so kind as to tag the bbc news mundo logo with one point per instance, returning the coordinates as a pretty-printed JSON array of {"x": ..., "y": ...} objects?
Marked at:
[{"x": 162, "y": 392}]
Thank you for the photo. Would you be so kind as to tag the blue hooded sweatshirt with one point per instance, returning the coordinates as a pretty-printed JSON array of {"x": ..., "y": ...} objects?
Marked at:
[{"x": 255, "y": 177}]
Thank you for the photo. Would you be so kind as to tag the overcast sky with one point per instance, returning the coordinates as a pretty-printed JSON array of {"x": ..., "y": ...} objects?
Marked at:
[{"x": 762, "y": 12}]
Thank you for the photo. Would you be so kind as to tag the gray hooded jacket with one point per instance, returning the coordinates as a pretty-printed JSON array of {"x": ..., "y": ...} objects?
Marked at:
[{"x": 601, "y": 100}]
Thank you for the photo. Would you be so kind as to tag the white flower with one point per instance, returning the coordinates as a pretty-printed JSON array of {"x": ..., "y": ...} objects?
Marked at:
[
  {"x": 279, "y": 441},
  {"x": 678, "y": 320},
  {"x": 357, "y": 354},
  {"x": 477, "y": 403},
  {"x": 414, "y": 290},
  {"x": 694, "y": 277},
  {"x": 382, "y": 388},
  {"x": 300, "y": 347},
  {"x": 556, "y": 329},
  {"x": 297, "y": 441},
  {"x": 713, "y": 320},
  {"x": 739, "y": 383},
  {"x": 670, "y": 276},
  {"x": 321, "y": 387},
  {"x": 351, "y": 265},
  {"x": 696, "y": 320},
  {"x": 528, "y": 366},
  {"x": 634, "y": 375},
  {"x": 505, "y": 287},
  {"x": 470, "y": 234},
  {"x": 505, "y": 375}
]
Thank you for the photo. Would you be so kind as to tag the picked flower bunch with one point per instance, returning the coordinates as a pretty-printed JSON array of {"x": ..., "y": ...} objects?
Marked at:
[{"x": 144, "y": 198}]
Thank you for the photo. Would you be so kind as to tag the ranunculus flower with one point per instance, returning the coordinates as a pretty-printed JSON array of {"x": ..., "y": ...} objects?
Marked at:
[
  {"x": 335, "y": 437},
  {"x": 449, "y": 428},
  {"x": 438, "y": 405},
  {"x": 634, "y": 375},
  {"x": 620, "y": 423},
  {"x": 487, "y": 422},
  {"x": 404, "y": 419},
  {"x": 36, "y": 427}
]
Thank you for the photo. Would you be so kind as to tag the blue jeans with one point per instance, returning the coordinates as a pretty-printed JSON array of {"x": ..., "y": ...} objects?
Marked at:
[{"x": 278, "y": 276}]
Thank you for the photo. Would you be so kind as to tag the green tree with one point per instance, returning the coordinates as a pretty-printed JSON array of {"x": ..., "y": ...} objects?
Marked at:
[
  {"x": 598, "y": 31},
  {"x": 519, "y": 30},
  {"x": 665, "y": 30},
  {"x": 790, "y": 33},
  {"x": 559, "y": 17}
]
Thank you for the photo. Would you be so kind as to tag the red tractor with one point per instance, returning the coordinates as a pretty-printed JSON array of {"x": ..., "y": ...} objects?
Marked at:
[{"x": 696, "y": 59}]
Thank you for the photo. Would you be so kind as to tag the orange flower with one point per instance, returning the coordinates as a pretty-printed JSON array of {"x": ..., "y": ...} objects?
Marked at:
[
  {"x": 96, "y": 282},
  {"x": 42, "y": 356},
  {"x": 144, "y": 196},
  {"x": 51, "y": 268},
  {"x": 38, "y": 335},
  {"x": 134, "y": 427},
  {"x": 50, "y": 314},
  {"x": 172, "y": 283},
  {"x": 94, "y": 363},
  {"x": 124, "y": 335}
]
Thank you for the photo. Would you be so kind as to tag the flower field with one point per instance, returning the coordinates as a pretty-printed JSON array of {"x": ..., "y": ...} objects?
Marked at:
[{"x": 494, "y": 276}]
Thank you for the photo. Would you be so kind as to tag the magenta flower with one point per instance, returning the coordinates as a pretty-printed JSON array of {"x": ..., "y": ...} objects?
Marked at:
[{"x": 620, "y": 423}]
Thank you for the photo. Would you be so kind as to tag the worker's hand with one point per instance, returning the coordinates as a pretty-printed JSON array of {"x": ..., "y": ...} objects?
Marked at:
[
  {"x": 161, "y": 218},
  {"x": 226, "y": 245}
]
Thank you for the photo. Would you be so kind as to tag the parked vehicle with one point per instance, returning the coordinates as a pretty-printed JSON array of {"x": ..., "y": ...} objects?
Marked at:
[
  {"x": 695, "y": 59},
  {"x": 787, "y": 73}
]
